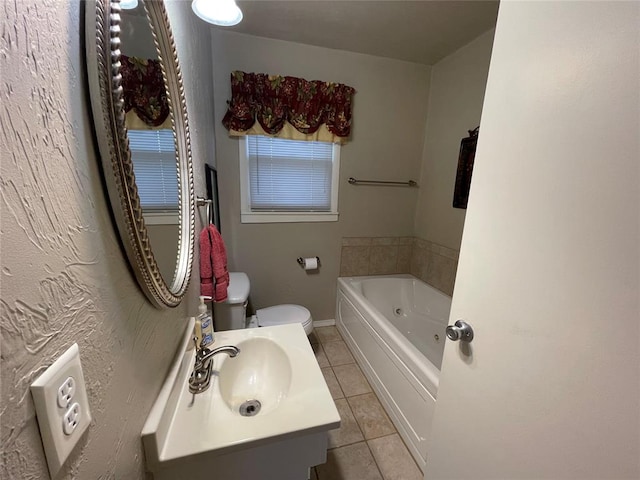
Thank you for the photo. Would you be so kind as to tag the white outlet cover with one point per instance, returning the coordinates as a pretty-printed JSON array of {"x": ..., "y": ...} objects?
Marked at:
[{"x": 51, "y": 416}]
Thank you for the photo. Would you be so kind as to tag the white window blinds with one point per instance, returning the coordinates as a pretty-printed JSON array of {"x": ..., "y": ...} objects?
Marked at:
[
  {"x": 289, "y": 175},
  {"x": 154, "y": 164}
]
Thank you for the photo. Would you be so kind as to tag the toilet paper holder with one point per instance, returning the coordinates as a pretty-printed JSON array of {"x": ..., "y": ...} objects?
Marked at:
[{"x": 300, "y": 261}]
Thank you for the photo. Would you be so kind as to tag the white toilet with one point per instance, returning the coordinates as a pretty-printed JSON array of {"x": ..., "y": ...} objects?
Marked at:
[{"x": 232, "y": 313}]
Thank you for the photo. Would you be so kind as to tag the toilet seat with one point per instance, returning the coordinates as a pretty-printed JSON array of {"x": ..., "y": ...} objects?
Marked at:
[{"x": 284, "y": 314}]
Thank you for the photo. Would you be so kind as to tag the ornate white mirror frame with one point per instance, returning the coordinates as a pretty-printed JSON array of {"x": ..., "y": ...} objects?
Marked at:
[{"x": 105, "y": 85}]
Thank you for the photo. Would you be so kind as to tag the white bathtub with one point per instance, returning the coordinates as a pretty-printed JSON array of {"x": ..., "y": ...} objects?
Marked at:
[{"x": 395, "y": 325}]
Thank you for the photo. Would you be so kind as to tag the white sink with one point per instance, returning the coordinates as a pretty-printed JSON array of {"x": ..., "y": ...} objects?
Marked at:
[
  {"x": 262, "y": 371},
  {"x": 209, "y": 438}
]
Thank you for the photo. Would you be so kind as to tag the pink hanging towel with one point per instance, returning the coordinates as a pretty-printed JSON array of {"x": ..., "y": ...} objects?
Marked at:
[{"x": 214, "y": 276}]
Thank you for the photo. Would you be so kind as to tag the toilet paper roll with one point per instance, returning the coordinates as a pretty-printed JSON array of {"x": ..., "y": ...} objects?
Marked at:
[{"x": 310, "y": 263}]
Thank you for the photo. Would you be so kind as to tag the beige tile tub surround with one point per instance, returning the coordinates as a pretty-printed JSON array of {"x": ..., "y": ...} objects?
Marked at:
[
  {"x": 354, "y": 260},
  {"x": 367, "y": 445},
  {"x": 434, "y": 264},
  {"x": 375, "y": 255},
  {"x": 430, "y": 262}
]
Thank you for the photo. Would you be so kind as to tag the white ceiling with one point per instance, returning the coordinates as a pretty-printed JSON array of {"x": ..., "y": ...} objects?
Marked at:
[{"x": 417, "y": 31}]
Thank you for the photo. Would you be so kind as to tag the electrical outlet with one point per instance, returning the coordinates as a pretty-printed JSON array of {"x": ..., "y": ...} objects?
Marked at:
[
  {"x": 66, "y": 392},
  {"x": 71, "y": 419},
  {"x": 62, "y": 407}
]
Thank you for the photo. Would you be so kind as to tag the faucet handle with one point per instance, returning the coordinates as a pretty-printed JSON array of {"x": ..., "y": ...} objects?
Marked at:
[{"x": 199, "y": 346}]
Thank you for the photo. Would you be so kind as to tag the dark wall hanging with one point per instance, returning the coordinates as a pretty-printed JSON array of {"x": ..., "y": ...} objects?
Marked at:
[
  {"x": 211, "y": 176},
  {"x": 465, "y": 169}
]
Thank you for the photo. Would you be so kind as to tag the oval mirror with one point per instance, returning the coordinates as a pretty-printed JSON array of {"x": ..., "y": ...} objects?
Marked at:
[{"x": 140, "y": 117}]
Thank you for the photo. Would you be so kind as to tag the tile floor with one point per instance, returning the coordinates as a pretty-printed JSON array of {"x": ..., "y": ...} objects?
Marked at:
[{"x": 367, "y": 445}]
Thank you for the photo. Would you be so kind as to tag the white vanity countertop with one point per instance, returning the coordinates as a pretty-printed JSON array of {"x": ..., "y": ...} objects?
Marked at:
[{"x": 177, "y": 429}]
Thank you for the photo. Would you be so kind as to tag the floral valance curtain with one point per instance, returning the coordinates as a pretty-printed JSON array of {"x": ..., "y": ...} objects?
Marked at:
[
  {"x": 288, "y": 107},
  {"x": 144, "y": 92}
]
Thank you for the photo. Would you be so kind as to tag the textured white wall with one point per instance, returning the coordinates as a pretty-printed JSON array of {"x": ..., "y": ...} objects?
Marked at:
[
  {"x": 389, "y": 113},
  {"x": 64, "y": 276},
  {"x": 455, "y": 104}
]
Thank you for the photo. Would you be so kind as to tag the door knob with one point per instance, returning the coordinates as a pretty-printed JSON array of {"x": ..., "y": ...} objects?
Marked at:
[{"x": 460, "y": 331}]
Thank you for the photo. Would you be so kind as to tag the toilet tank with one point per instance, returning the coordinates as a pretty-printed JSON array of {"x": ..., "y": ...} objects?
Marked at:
[{"x": 232, "y": 313}]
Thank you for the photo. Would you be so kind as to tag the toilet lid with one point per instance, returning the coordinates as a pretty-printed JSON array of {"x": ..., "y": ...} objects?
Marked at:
[{"x": 283, "y": 314}]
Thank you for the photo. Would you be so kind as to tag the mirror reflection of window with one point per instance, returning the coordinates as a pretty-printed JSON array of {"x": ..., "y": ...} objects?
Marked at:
[
  {"x": 151, "y": 139},
  {"x": 154, "y": 164},
  {"x": 153, "y": 155}
]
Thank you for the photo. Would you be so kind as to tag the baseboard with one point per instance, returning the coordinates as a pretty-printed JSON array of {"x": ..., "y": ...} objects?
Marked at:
[{"x": 324, "y": 323}]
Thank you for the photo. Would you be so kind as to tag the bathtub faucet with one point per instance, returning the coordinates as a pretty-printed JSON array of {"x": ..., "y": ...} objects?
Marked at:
[{"x": 201, "y": 376}]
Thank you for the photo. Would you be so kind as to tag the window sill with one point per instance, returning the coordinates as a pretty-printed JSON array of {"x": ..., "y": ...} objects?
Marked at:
[
  {"x": 297, "y": 217},
  {"x": 160, "y": 218}
]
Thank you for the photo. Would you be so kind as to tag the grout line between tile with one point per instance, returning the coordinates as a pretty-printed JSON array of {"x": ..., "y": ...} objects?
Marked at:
[
  {"x": 403, "y": 443},
  {"x": 395, "y": 430},
  {"x": 374, "y": 460},
  {"x": 363, "y": 394},
  {"x": 347, "y": 445},
  {"x": 366, "y": 440},
  {"x": 357, "y": 424},
  {"x": 385, "y": 435},
  {"x": 410, "y": 455}
]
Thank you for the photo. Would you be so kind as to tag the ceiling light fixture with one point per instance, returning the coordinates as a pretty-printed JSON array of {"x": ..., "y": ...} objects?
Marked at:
[
  {"x": 219, "y": 12},
  {"x": 128, "y": 4}
]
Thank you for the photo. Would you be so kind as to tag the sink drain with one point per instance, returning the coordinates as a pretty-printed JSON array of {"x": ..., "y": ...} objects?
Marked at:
[{"x": 250, "y": 408}]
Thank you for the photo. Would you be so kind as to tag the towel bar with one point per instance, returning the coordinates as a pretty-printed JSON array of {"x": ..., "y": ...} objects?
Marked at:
[
  {"x": 205, "y": 202},
  {"x": 409, "y": 183}
]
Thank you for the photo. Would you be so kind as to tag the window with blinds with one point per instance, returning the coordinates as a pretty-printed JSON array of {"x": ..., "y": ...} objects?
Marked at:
[
  {"x": 289, "y": 175},
  {"x": 284, "y": 180},
  {"x": 154, "y": 164}
]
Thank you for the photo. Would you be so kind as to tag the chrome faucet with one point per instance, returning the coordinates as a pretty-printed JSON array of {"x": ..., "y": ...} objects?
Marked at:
[{"x": 201, "y": 376}]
